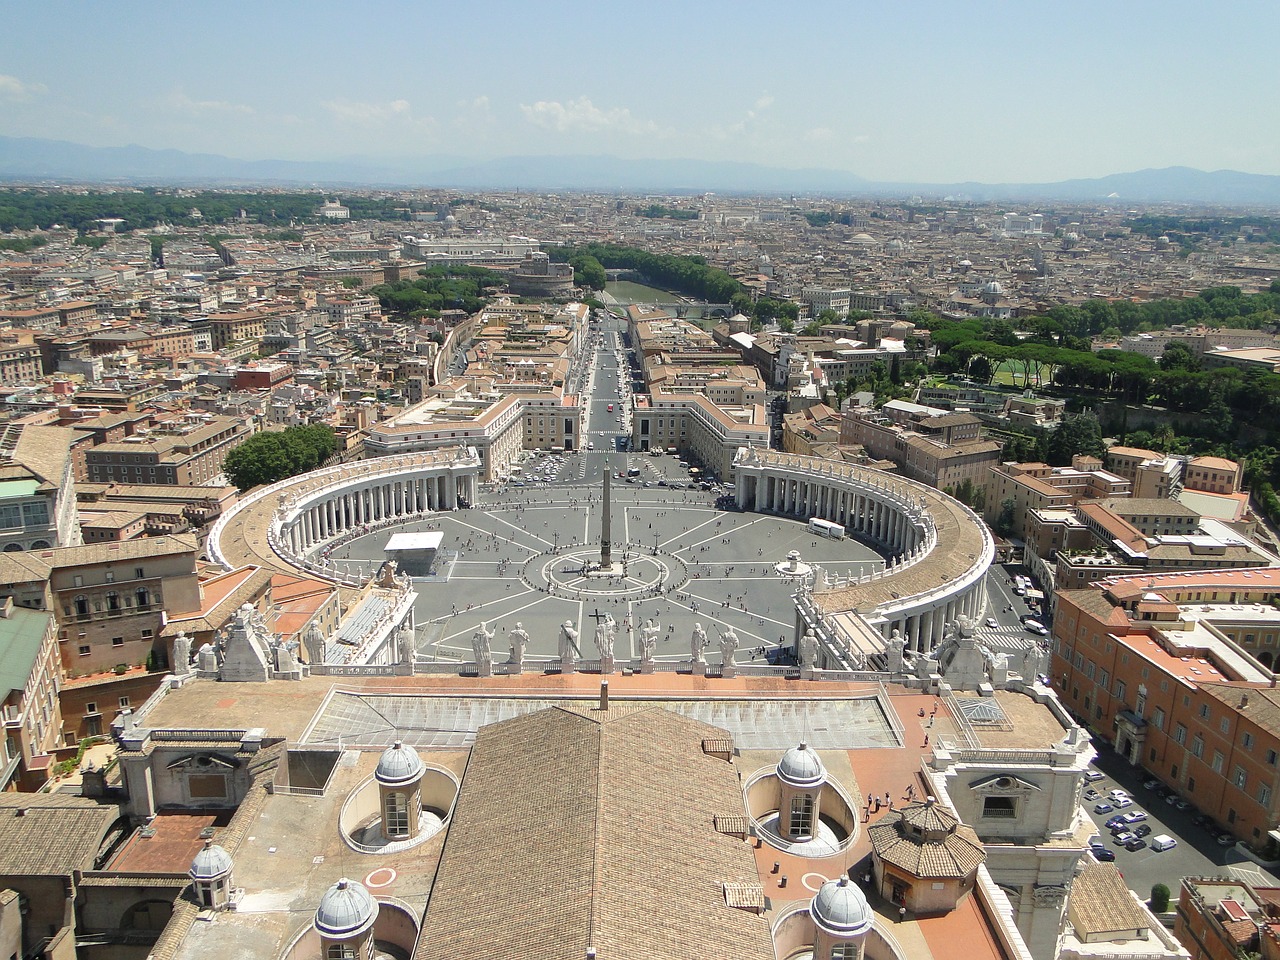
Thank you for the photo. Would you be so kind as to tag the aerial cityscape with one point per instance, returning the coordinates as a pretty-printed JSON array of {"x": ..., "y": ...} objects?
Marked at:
[{"x": 460, "y": 492}]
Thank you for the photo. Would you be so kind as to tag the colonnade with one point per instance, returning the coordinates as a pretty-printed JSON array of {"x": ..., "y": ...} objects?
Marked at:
[
  {"x": 858, "y": 508},
  {"x": 332, "y": 512},
  {"x": 896, "y": 513}
]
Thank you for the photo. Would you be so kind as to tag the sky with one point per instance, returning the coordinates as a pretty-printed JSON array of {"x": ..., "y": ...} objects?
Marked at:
[{"x": 908, "y": 91}]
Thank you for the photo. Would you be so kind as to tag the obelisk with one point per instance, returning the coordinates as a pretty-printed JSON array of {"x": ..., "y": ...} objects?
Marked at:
[{"x": 606, "y": 561}]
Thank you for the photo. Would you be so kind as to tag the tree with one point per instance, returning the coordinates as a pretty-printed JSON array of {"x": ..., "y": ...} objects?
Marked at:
[
  {"x": 1081, "y": 433},
  {"x": 980, "y": 369},
  {"x": 1004, "y": 521},
  {"x": 268, "y": 457},
  {"x": 1159, "y": 898}
]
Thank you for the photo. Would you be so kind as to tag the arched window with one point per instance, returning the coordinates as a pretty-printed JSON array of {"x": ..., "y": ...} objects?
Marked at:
[
  {"x": 802, "y": 816},
  {"x": 844, "y": 951},
  {"x": 341, "y": 951},
  {"x": 395, "y": 814},
  {"x": 13, "y": 548},
  {"x": 82, "y": 606},
  {"x": 113, "y": 602}
]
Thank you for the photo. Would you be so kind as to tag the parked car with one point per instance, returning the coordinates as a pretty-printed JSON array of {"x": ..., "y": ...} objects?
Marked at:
[
  {"x": 1143, "y": 830},
  {"x": 1226, "y": 840},
  {"x": 1121, "y": 802},
  {"x": 1115, "y": 821},
  {"x": 1092, "y": 794},
  {"x": 1163, "y": 842},
  {"x": 1103, "y": 808},
  {"x": 1102, "y": 854},
  {"x": 1117, "y": 793},
  {"x": 1093, "y": 776},
  {"x": 1182, "y": 804},
  {"x": 991, "y": 622},
  {"x": 1134, "y": 816},
  {"x": 1137, "y": 843},
  {"x": 1151, "y": 784},
  {"x": 1123, "y": 837}
]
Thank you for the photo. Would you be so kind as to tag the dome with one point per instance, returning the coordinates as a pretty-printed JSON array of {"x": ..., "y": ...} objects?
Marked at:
[
  {"x": 399, "y": 764},
  {"x": 993, "y": 288},
  {"x": 210, "y": 863},
  {"x": 345, "y": 910},
  {"x": 896, "y": 245},
  {"x": 801, "y": 767},
  {"x": 840, "y": 909}
]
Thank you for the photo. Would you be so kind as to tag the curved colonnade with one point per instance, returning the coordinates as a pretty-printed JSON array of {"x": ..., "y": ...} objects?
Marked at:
[
  {"x": 286, "y": 524},
  {"x": 937, "y": 550}
]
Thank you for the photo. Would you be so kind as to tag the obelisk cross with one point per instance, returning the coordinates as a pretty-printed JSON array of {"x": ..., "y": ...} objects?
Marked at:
[{"x": 605, "y": 560}]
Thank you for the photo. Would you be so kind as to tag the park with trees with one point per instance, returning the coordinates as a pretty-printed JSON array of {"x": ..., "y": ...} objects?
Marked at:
[{"x": 268, "y": 457}]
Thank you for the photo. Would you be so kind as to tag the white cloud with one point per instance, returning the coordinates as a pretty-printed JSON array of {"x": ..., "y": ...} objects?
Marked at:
[
  {"x": 357, "y": 111},
  {"x": 765, "y": 102},
  {"x": 179, "y": 102},
  {"x": 11, "y": 88},
  {"x": 583, "y": 115}
]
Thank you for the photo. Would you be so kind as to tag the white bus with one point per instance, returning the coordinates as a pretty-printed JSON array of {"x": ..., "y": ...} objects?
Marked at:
[{"x": 826, "y": 528}]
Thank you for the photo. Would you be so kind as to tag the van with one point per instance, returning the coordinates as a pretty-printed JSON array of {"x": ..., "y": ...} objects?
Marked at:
[
  {"x": 1163, "y": 842},
  {"x": 1035, "y": 626}
]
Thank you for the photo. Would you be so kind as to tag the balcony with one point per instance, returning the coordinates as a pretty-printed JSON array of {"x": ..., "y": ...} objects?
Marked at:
[{"x": 13, "y": 717}]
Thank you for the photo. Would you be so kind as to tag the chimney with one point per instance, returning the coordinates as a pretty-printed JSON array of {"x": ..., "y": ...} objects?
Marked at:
[
  {"x": 604, "y": 694},
  {"x": 1244, "y": 700}
]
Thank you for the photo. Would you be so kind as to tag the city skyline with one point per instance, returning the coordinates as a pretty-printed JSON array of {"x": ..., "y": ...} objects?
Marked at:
[{"x": 933, "y": 93}]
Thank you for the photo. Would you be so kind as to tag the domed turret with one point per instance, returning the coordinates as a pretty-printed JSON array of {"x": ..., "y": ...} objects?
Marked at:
[
  {"x": 840, "y": 909},
  {"x": 398, "y": 765},
  {"x": 210, "y": 863},
  {"x": 801, "y": 767},
  {"x": 346, "y": 910},
  {"x": 993, "y": 289},
  {"x": 210, "y": 875}
]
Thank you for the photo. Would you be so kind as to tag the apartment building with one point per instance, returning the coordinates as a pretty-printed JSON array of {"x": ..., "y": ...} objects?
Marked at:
[
  {"x": 1038, "y": 486},
  {"x": 942, "y": 450},
  {"x": 37, "y": 489},
  {"x": 1149, "y": 663},
  {"x": 29, "y": 683},
  {"x": 1213, "y": 475},
  {"x": 1152, "y": 475},
  {"x": 187, "y": 454}
]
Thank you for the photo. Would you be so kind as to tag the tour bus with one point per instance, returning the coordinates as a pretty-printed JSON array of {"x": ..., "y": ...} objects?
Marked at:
[{"x": 826, "y": 528}]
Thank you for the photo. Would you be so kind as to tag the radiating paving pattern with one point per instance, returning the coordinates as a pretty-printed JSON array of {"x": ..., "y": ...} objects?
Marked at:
[{"x": 379, "y": 720}]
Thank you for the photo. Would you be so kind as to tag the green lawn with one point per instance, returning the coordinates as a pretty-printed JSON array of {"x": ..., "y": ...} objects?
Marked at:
[{"x": 1009, "y": 373}]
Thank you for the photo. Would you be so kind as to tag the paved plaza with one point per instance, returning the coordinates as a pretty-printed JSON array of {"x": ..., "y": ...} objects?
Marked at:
[
  {"x": 679, "y": 559},
  {"x": 355, "y": 718}
]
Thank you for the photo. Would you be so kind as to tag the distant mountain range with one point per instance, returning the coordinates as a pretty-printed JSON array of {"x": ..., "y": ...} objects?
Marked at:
[{"x": 27, "y": 159}]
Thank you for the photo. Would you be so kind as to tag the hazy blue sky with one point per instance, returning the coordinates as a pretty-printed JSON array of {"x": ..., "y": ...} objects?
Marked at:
[{"x": 905, "y": 90}]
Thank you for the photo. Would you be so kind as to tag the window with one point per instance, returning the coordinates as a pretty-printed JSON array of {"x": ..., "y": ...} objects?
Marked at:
[
  {"x": 1272, "y": 756},
  {"x": 1264, "y": 795},
  {"x": 1225, "y": 725},
  {"x": 1157, "y": 719},
  {"x": 1179, "y": 734},
  {"x": 1246, "y": 741},
  {"x": 395, "y": 813},
  {"x": 1197, "y": 746},
  {"x": 802, "y": 816},
  {"x": 1204, "y": 711},
  {"x": 124, "y": 702},
  {"x": 84, "y": 649},
  {"x": 1239, "y": 777},
  {"x": 1120, "y": 689},
  {"x": 1218, "y": 761},
  {"x": 844, "y": 951},
  {"x": 341, "y": 951},
  {"x": 90, "y": 708},
  {"x": 1000, "y": 808},
  {"x": 117, "y": 641}
]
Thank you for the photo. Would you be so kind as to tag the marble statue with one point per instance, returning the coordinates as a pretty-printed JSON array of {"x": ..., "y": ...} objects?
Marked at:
[
  {"x": 1033, "y": 662},
  {"x": 568, "y": 641},
  {"x": 967, "y": 625},
  {"x": 809, "y": 651},
  {"x": 181, "y": 655},
  {"x": 606, "y": 631},
  {"x": 314, "y": 641},
  {"x": 405, "y": 643},
  {"x": 519, "y": 639},
  {"x": 698, "y": 643},
  {"x": 649, "y": 639},
  {"x": 728, "y": 644},
  {"x": 480, "y": 642}
]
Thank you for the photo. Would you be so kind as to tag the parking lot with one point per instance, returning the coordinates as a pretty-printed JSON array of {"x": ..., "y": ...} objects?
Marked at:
[{"x": 1197, "y": 853}]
